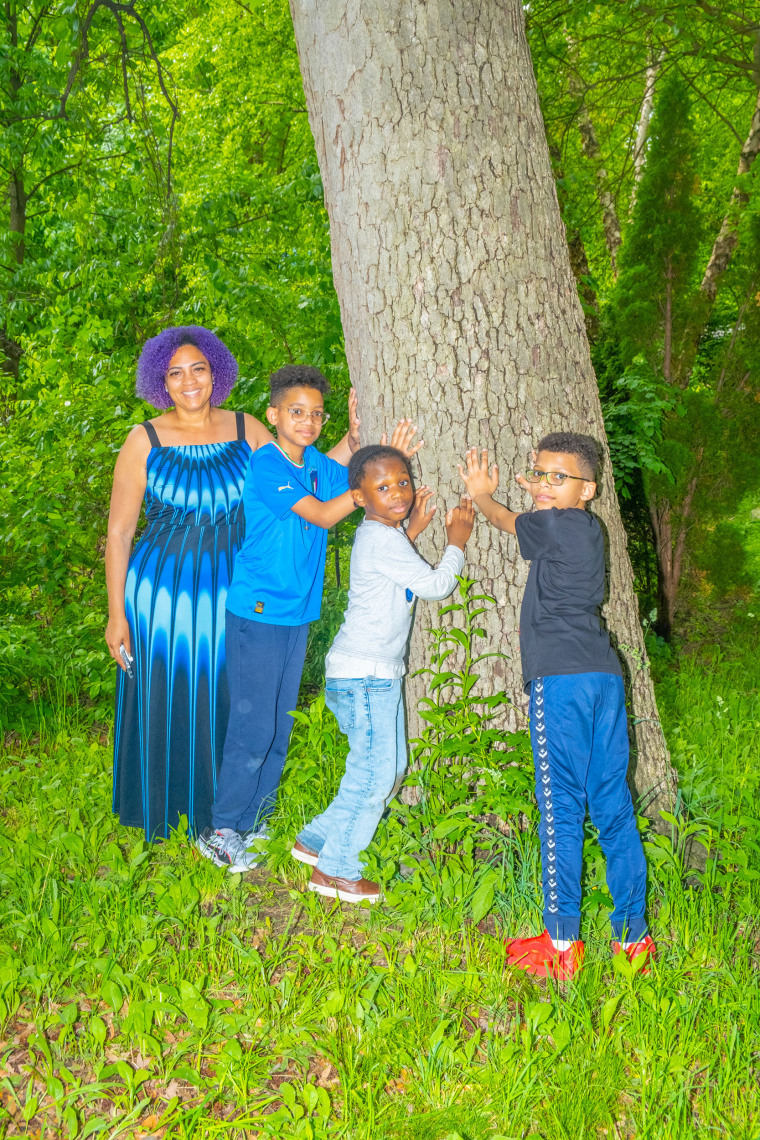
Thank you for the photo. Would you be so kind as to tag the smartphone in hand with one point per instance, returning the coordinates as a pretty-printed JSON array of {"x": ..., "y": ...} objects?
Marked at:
[{"x": 128, "y": 661}]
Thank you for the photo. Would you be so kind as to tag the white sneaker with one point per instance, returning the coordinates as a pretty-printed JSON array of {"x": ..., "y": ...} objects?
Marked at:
[
  {"x": 226, "y": 848},
  {"x": 254, "y": 833}
]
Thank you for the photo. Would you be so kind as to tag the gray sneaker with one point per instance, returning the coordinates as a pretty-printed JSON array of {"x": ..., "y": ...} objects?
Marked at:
[
  {"x": 253, "y": 833},
  {"x": 225, "y": 848}
]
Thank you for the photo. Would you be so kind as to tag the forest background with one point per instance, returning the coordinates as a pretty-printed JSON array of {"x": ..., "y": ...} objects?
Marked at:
[
  {"x": 159, "y": 169},
  {"x": 168, "y": 175}
]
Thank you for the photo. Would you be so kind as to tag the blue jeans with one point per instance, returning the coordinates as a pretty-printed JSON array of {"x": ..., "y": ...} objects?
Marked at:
[
  {"x": 264, "y": 666},
  {"x": 579, "y": 735},
  {"x": 370, "y": 711}
]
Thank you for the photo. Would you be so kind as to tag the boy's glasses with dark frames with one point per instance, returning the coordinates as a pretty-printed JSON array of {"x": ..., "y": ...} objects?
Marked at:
[
  {"x": 553, "y": 478},
  {"x": 319, "y": 417}
]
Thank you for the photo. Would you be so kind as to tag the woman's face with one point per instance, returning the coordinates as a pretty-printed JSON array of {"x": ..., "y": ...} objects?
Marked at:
[{"x": 188, "y": 379}]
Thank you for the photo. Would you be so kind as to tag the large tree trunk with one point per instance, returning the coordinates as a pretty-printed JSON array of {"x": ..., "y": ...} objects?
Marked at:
[{"x": 451, "y": 266}]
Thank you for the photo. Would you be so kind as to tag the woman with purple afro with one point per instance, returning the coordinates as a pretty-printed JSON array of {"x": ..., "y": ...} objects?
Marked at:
[{"x": 166, "y": 598}]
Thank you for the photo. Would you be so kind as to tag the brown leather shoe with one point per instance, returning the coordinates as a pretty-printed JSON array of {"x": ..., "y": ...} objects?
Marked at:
[
  {"x": 347, "y": 890},
  {"x": 304, "y": 854}
]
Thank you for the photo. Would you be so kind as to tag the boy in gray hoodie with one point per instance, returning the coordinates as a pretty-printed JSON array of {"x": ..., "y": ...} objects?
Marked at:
[{"x": 365, "y": 664}]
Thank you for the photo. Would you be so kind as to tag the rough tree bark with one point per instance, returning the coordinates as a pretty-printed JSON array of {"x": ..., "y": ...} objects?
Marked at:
[{"x": 450, "y": 262}]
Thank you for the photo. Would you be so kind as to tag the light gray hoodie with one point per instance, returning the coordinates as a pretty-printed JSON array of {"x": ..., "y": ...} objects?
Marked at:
[{"x": 387, "y": 574}]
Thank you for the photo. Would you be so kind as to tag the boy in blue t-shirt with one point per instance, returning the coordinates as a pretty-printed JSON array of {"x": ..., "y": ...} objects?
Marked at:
[
  {"x": 578, "y": 727},
  {"x": 292, "y": 495}
]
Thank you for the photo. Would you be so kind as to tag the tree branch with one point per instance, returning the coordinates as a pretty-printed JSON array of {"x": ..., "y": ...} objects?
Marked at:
[
  {"x": 36, "y": 26},
  {"x": 642, "y": 133},
  {"x": 124, "y": 53},
  {"x": 54, "y": 174},
  {"x": 687, "y": 79}
]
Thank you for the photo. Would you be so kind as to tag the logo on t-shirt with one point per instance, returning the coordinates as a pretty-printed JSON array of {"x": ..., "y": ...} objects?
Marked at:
[
  {"x": 258, "y": 608},
  {"x": 287, "y": 487}
]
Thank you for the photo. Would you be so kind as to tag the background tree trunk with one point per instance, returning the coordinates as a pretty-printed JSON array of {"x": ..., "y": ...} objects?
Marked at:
[
  {"x": 450, "y": 262},
  {"x": 593, "y": 152},
  {"x": 640, "y": 146},
  {"x": 725, "y": 242}
]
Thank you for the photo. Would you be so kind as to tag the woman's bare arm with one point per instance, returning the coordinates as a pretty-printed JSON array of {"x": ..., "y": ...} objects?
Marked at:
[
  {"x": 256, "y": 433},
  {"x": 129, "y": 481}
]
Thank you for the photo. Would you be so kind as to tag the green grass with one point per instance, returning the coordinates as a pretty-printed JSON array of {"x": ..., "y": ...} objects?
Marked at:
[{"x": 145, "y": 993}]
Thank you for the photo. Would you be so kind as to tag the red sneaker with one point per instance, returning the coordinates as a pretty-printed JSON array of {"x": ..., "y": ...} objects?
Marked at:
[
  {"x": 635, "y": 950},
  {"x": 539, "y": 956}
]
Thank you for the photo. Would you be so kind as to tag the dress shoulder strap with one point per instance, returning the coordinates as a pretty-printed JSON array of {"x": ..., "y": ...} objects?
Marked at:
[
  {"x": 151, "y": 433},
  {"x": 240, "y": 422}
]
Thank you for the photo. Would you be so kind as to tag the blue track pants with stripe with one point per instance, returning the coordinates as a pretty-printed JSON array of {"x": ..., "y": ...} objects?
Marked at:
[{"x": 579, "y": 736}]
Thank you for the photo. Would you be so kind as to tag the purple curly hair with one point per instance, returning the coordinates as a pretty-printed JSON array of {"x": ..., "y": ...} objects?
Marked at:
[{"x": 158, "y": 351}]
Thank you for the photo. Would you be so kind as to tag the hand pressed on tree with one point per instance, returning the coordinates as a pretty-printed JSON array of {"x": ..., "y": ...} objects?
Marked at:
[
  {"x": 421, "y": 513},
  {"x": 476, "y": 477},
  {"x": 459, "y": 522},
  {"x": 353, "y": 421},
  {"x": 403, "y": 434},
  {"x": 481, "y": 485}
]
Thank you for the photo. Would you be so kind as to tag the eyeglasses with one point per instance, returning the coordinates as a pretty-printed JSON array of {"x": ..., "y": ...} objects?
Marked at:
[
  {"x": 319, "y": 417},
  {"x": 553, "y": 478}
]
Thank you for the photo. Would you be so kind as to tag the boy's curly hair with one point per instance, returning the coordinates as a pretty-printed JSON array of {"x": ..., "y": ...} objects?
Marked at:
[
  {"x": 583, "y": 447},
  {"x": 296, "y": 376}
]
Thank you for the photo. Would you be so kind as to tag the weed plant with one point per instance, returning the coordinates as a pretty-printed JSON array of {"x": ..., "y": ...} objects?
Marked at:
[{"x": 143, "y": 992}]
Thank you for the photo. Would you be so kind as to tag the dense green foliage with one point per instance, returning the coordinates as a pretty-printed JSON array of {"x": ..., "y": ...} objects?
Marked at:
[
  {"x": 674, "y": 343},
  {"x": 167, "y": 175},
  {"x": 144, "y": 992},
  {"x": 237, "y": 241}
]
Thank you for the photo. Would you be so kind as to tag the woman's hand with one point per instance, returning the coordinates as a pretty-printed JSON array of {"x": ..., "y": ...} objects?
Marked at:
[
  {"x": 421, "y": 513},
  {"x": 403, "y": 435},
  {"x": 117, "y": 634}
]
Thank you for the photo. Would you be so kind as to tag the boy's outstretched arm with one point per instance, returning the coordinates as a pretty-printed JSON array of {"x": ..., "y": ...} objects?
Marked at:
[
  {"x": 403, "y": 565},
  {"x": 481, "y": 485},
  {"x": 325, "y": 514}
]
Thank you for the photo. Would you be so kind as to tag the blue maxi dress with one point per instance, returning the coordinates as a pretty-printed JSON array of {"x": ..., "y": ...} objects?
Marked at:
[{"x": 171, "y": 718}]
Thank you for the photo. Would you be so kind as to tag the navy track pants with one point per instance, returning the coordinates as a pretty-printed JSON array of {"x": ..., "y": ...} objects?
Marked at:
[
  {"x": 264, "y": 667},
  {"x": 579, "y": 736}
]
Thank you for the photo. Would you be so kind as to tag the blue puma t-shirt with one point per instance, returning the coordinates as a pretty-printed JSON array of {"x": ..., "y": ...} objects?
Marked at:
[{"x": 279, "y": 570}]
